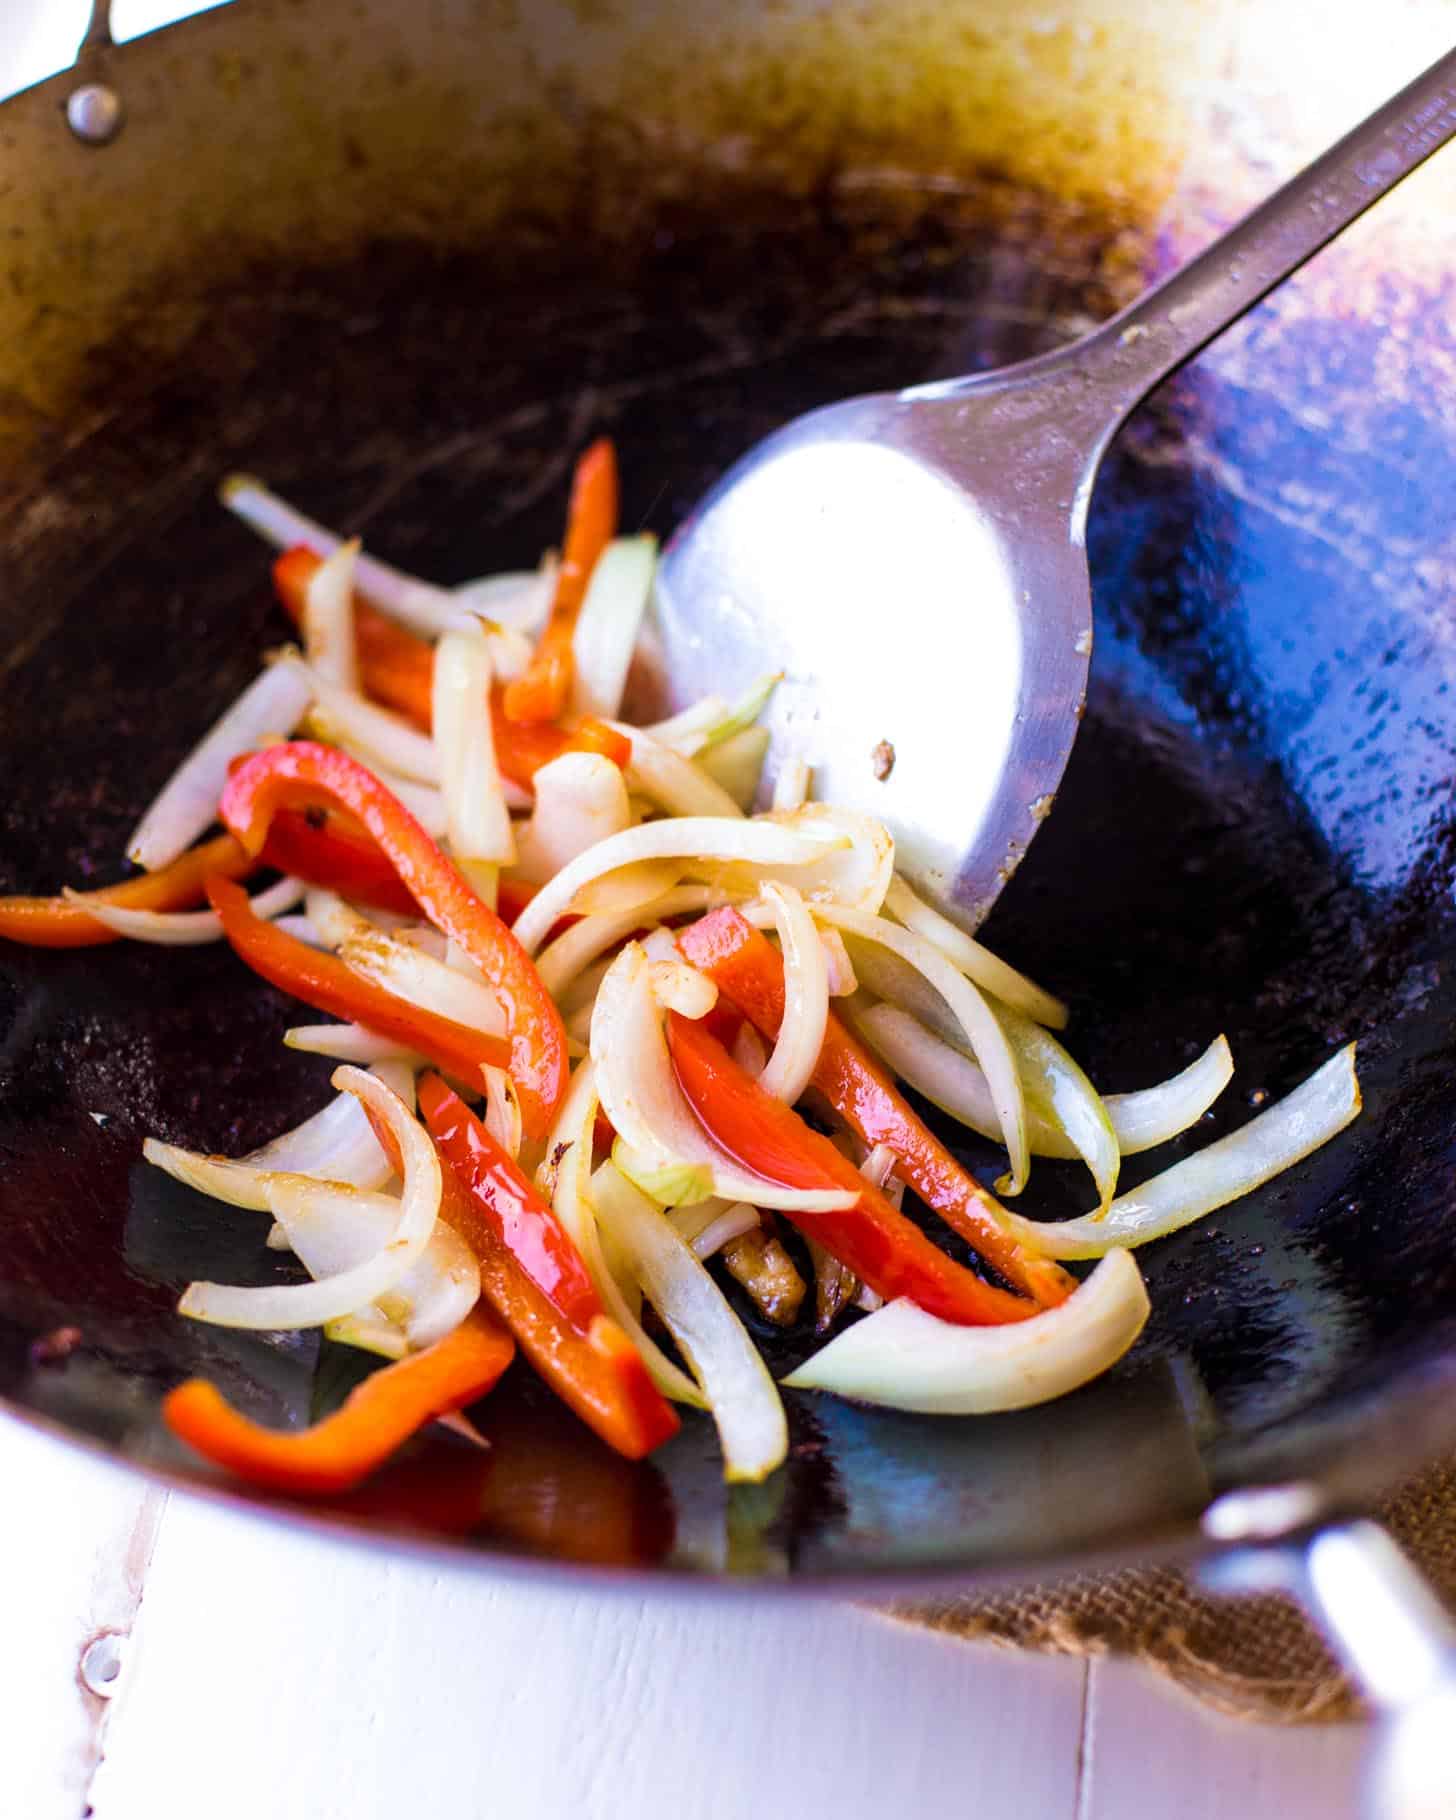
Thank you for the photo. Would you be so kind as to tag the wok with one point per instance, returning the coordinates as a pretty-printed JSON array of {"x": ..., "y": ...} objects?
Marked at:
[{"x": 404, "y": 263}]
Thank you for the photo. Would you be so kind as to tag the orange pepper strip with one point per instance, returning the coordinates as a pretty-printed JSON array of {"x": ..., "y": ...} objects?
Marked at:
[
  {"x": 300, "y": 773},
  {"x": 323, "y": 981},
  {"x": 377, "y": 1416},
  {"x": 62, "y": 922},
  {"x": 749, "y": 972},
  {"x": 591, "y": 522},
  {"x": 398, "y": 669}
]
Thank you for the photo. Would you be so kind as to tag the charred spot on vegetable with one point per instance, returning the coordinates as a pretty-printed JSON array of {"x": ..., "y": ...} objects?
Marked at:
[{"x": 882, "y": 760}]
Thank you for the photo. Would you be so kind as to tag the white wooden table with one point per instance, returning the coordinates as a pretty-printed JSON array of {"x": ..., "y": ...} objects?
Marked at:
[{"x": 257, "y": 1672}]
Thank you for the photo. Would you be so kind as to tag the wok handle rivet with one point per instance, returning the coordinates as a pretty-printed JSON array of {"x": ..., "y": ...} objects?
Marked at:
[{"x": 94, "y": 113}]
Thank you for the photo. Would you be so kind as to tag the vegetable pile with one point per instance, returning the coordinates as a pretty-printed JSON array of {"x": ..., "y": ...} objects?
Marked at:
[{"x": 608, "y": 1042}]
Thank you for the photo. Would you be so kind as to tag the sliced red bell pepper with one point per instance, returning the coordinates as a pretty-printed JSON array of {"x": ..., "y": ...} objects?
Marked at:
[
  {"x": 519, "y": 1217},
  {"x": 62, "y": 922},
  {"x": 598, "y": 1374},
  {"x": 324, "y": 850},
  {"x": 873, "y": 1238},
  {"x": 378, "y": 1415},
  {"x": 301, "y": 773},
  {"x": 749, "y": 972},
  {"x": 323, "y": 981},
  {"x": 398, "y": 669},
  {"x": 591, "y": 522}
]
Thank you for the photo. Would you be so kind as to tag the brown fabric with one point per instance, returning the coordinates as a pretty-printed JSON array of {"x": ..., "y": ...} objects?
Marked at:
[{"x": 1257, "y": 1658}]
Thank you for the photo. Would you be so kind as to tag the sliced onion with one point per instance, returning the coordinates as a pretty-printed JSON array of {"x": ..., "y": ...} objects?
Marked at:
[
  {"x": 749, "y": 1051},
  {"x": 723, "y": 1228},
  {"x": 984, "y": 1035},
  {"x": 335, "y": 1145},
  {"x": 336, "y": 921},
  {"x": 737, "y": 764},
  {"x": 607, "y": 626},
  {"x": 368, "y": 1330},
  {"x": 703, "y": 840},
  {"x": 904, "y": 1358},
  {"x": 312, "y": 1304},
  {"x": 412, "y": 602},
  {"x": 400, "y": 967},
  {"x": 580, "y": 799},
  {"x": 477, "y": 820},
  {"x": 840, "y": 968},
  {"x": 949, "y": 1079},
  {"x": 1060, "y": 1094},
  {"x": 1231, "y": 1167},
  {"x": 518, "y": 599},
  {"x": 502, "y": 1110},
  {"x": 328, "y": 618},
  {"x": 186, "y": 805},
  {"x": 712, "y": 721},
  {"x": 791, "y": 786},
  {"x": 854, "y": 867},
  {"x": 333, "y": 1229},
  {"x": 349, "y": 1043},
  {"x": 574, "y": 950},
  {"x": 671, "y": 781},
  {"x": 570, "y": 1144},
  {"x": 186, "y": 928},
  {"x": 795, "y": 1055},
  {"x": 302, "y": 930},
  {"x": 679, "y": 987},
  {"x": 641, "y": 1096},
  {"x": 628, "y": 888},
  {"x": 387, "y": 738},
  {"x": 976, "y": 962},
  {"x": 746, "y": 1406},
  {"x": 676, "y": 1185}
]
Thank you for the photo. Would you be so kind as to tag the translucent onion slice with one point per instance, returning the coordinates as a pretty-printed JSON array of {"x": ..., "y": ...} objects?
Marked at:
[
  {"x": 401, "y": 967},
  {"x": 335, "y": 1145},
  {"x": 312, "y": 1304},
  {"x": 723, "y": 1228},
  {"x": 791, "y": 1065},
  {"x": 671, "y": 781},
  {"x": 477, "y": 819},
  {"x": 713, "y": 721},
  {"x": 517, "y": 599},
  {"x": 678, "y": 987},
  {"x": 628, "y": 888},
  {"x": 608, "y": 624},
  {"x": 746, "y": 1406},
  {"x": 703, "y": 840},
  {"x": 641, "y": 1096},
  {"x": 328, "y": 618},
  {"x": 903, "y": 1358},
  {"x": 302, "y": 930},
  {"x": 567, "y": 958},
  {"x": 335, "y": 920},
  {"x": 737, "y": 764},
  {"x": 677, "y": 1185},
  {"x": 842, "y": 980},
  {"x": 949, "y": 1079},
  {"x": 368, "y": 1330},
  {"x": 580, "y": 799},
  {"x": 349, "y": 1043},
  {"x": 791, "y": 786},
  {"x": 502, "y": 1110},
  {"x": 977, "y": 1021},
  {"x": 385, "y": 738},
  {"x": 333, "y": 1229},
  {"x": 1233, "y": 1166},
  {"x": 976, "y": 962},
  {"x": 272, "y": 704},
  {"x": 1060, "y": 1094},
  {"x": 570, "y": 1144},
  {"x": 186, "y": 928},
  {"x": 854, "y": 867}
]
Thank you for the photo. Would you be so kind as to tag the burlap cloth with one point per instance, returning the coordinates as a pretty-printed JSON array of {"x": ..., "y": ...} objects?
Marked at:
[{"x": 1257, "y": 1658}]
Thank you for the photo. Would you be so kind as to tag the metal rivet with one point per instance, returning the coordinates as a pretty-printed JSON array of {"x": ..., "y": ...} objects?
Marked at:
[
  {"x": 94, "y": 113},
  {"x": 101, "y": 1664}
]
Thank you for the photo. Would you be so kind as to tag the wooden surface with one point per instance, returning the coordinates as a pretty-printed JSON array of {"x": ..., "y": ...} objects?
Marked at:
[{"x": 264, "y": 1673}]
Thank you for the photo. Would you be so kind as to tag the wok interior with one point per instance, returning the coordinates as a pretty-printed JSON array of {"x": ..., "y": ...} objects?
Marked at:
[{"x": 1254, "y": 835}]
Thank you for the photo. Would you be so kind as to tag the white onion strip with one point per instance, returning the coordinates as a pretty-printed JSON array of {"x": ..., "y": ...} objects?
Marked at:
[
  {"x": 976, "y": 962},
  {"x": 723, "y": 1228},
  {"x": 746, "y": 1406},
  {"x": 312, "y": 1304},
  {"x": 904, "y": 1358},
  {"x": 671, "y": 781},
  {"x": 328, "y": 618},
  {"x": 607, "y": 625},
  {"x": 1231, "y": 1167},
  {"x": 502, "y": 1110},
  {"x": 737, "y": 764},
  {"x": 272, "y": 703},
  {"x": 580, "y": 799},
  {"x": 791, "y": 786},
  {"x": 642, "y": 1098},
  {"x": 402, "y": 968},
  {"x": 186, "y": 928},
  {"x": 694, "y": 838},
  {"x": 350, "y": 1043},
  {"x": 1058, "y": 1090},
  {"x": 387, "y": 738},
  {"x": 477, "y": 819},
  {"x": 795, "y": 1055},
  {"x": 984, "y": 1035},
  {"x": 574, "y": 950},
  {"x": 713, "y": 721}
]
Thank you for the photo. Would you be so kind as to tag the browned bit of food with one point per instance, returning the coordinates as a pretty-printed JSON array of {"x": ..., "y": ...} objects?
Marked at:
[
  {"x": 883, "y": 759},
  {"x": 759, "y": 1262},
  {"x": 834, "y": 1286}
]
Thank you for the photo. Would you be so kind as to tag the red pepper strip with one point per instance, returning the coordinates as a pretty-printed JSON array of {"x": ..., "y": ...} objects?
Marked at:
[
  {"x": 873, "y": 1237},
  {"x": 591, "y": 523},
  {"x": 334, "y": 855},
  {"x": 600, "y": 1374},
  {"x": 375, "y": 1418},
  {"x": 62, "y": 922},
  {"x": 323, "y": 981},
  {"x": 398, "y": 669},
  {"x": 520, "y": 1219},
  {"x": 300, "y": 773},
  {"x": 749, "y": 972}
]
